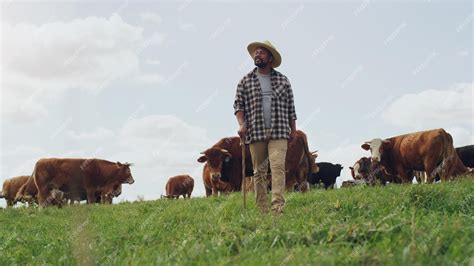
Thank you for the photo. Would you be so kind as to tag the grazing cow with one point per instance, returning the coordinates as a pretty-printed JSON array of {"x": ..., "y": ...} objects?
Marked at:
[
  {"x": 94, "y": 176},
  {"x": 299, "y": 163},
  {"x": 28, "y": 192},
  {"x": 181, "y": 185},
  {"x": 431, "y": 151},
  {"x": 11, "y": 187},
  {"x": 327, "y": 174},
  {"x": 465, "y": 153},
  {"x": 372, "y": 172},
  {"x": 222, "y": 171}
]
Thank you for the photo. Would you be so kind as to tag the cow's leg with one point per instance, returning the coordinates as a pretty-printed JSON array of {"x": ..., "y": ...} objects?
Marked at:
[
  {"x": 91, "y": 198},
  {"x": 410, "y": 175},
  {"x": 403, "y": 175},
  {"x": 214, "y": 191},
  {"x": 430, "y": 173},
  {"x": 9, "y": 203},
  {"x": 43, "y": 195},
  {"x": 208, "y": 191}
]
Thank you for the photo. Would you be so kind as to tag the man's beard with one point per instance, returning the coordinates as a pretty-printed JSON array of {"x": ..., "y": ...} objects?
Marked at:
[{"x": 260, "y": 64}]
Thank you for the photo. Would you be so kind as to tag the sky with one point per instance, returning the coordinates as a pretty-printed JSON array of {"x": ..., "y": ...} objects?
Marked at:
[{"x": 153, "y": 82}]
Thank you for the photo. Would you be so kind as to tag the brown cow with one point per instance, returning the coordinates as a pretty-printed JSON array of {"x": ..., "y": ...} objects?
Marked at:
[
  {"x": 300, "y": 163},
  {"x": 431, "y": 151},
  {"x": 214, "y": 186},
  {"x": 222, "y": 171},
  {"x": 181, "y": 185},
  {"x": 11, "y": 187},
  {"x": 76, "y": 175},
  {"x": 28, "y": 192}
]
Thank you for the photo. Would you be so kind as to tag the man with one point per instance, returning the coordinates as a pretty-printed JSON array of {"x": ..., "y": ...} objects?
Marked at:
[{"x": 266, "y": 114}]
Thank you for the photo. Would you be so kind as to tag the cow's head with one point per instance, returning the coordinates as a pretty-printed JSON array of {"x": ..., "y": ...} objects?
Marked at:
[
  {"x": 214, "y": 158},
  {"x": 360, "y": 170},
  {"x": 312, "y": 157},
  {"x": 376, "y": 148},
  {"x": 124, "y": 173}
]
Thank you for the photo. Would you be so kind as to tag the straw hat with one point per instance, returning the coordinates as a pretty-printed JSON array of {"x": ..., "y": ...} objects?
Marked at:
[{"x": 269, "y": 46}]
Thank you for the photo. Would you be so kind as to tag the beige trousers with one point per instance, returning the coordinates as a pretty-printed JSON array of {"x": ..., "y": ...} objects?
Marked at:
[{"x": 273, "y": 152}]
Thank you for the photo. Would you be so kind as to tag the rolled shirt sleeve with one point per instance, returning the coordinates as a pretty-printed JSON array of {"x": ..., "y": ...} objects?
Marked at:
[
  {"x": 291, "y": 103},
  {"x": 239, "y": 102}
]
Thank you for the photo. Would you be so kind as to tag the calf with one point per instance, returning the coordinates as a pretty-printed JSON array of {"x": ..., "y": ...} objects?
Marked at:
[{"x": 181, "y": 185}]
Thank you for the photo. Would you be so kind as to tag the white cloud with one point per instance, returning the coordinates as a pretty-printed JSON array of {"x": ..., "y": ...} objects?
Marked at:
[
  {"x": 153, "y": 62},
  {"x": 152, "y": 18},
  {"x": 40, "y": 62},
  {"x": 432, "y": 108},
  {"x": 185, "y": 26},
  {"x": 461, "y": 136},
  {"x": 100, "y": 133},
  {"x": 150, "y": 79},
  {"x": 161, "y": 146}
]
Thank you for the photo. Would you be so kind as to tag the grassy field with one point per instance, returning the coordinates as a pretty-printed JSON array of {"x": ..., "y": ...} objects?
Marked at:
[{"x": 393, "y": 225}]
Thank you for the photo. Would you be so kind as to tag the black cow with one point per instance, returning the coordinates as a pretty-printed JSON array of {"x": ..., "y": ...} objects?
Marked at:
[
  {"x": 466, "y": 154},
  {"x": 327, "y": 174}
]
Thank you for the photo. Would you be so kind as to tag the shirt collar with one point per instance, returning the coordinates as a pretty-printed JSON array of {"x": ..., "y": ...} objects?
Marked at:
[{"x": 254, "y": 72}]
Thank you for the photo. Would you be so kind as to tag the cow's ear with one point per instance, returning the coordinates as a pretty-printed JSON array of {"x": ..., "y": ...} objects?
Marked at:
[
  {"x": 350, "y": 167},
  {"x": 202, "y": 159},
  {"x": 366, "y": 146},
  {"x": 386, "y": 142}
]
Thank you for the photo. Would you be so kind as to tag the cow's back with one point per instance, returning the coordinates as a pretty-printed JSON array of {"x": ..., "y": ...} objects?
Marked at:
[
  {"x": 412, "y": 149},
  {"x": 64, "y": 174},
  {"x": 466, "y": 154},
  {"x": 179, "y": 185},
  {"x": 12, "y": 186}
]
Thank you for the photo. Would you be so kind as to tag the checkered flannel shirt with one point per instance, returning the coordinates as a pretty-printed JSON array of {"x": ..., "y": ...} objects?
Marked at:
[{"x": 249, "y": 100}]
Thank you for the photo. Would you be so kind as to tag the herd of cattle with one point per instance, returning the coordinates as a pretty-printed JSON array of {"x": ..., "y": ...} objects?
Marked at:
[{"x": 428, "y": 155}]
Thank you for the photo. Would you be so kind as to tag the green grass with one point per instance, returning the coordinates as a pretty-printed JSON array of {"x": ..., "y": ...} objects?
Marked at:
[{"x": 393, "y": 225}]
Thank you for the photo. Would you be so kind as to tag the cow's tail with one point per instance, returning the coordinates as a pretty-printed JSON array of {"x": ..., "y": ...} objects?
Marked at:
[
  {"x": 451, "y": 160},
  {"x": 308, "y": 156}
]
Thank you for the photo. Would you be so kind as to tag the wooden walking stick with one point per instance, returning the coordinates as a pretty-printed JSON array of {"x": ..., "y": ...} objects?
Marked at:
[{"x": 244, "y": 187}]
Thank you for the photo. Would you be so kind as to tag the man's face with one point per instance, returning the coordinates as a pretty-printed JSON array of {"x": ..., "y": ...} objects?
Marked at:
[{"x": 262, "y": 57}]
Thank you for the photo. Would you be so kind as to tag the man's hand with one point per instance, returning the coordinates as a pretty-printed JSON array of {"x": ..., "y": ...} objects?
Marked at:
[
  {"x": 242, "y": 131},
  {"x": 292, "y": 135}
]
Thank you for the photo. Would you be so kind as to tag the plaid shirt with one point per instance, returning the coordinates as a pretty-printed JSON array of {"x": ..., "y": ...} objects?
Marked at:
[{"x": 249, "y": 100}]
